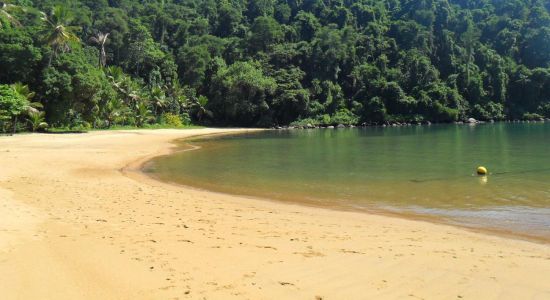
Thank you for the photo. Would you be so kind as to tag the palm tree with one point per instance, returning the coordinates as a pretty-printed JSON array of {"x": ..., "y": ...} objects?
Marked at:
[
  {"x": 143, "y": 114},
  {"x": 100, "y": 39},
  {"x": 5, "y": 11},
  {"x": 37, "y": 120},
  {"x": 159, "y": 100},
  {"x": 31, "y": 109},
  {"x": 115, "y": 111},
  {"x": 58, "y": 33},
  {"x": 200, "y": 105},
  {"x": 178, "y": 101},
  {"x": 128, "y": 89},
  {"x": 24, "y": 90},
  {"x": 117, "y": 78}
]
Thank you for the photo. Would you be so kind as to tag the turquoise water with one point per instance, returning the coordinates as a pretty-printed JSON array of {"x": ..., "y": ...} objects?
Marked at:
[{"x": 420, "y": 170}]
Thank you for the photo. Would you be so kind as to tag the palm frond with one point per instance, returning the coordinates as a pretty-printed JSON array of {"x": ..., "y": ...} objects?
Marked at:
[{"x": 5, "y": 10}]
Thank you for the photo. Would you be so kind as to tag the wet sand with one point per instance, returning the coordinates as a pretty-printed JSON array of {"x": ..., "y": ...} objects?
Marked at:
[{"x": 80, "y": 222}]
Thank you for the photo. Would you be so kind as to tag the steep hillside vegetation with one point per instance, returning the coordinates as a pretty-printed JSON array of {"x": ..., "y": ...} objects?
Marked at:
[{"x": 102, "y": 63}]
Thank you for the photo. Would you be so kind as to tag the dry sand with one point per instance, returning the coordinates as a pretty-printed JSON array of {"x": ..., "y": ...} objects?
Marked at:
[{"x": 77, "y": 223}]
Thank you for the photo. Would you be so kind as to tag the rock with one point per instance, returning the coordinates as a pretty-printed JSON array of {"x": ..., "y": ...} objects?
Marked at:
[
  {"x": 472, "y": 121},
  {"x": 341, "y": 126},
  {"x": 330, "y": 127},
  {"x": 428, "y": 123}
]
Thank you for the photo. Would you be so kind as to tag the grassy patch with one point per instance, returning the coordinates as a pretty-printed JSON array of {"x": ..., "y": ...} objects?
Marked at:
[{"x": 64, "y": 130}]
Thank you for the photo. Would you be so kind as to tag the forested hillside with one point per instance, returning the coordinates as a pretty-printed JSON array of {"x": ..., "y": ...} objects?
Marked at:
[{"x": 101, "y": 63}]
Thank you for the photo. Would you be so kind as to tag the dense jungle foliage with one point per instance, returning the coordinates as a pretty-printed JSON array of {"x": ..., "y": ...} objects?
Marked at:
[{"x": 104, "y": 63}]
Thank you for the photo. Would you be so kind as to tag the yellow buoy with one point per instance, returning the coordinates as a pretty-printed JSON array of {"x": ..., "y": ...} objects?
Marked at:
[{"x": 481, "y": 171}]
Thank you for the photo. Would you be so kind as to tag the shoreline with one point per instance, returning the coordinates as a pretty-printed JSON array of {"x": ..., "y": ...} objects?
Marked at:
[
  {"x": 105, "y": 235},
  {"x": 140, "y": 165}
]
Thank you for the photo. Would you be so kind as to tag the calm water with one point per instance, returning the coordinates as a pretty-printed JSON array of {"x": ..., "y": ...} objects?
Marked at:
[{"x": 421, "y": 170}]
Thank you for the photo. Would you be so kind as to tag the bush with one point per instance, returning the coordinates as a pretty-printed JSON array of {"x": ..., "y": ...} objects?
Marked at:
[
  {"x": 442, "y": 113},
  {"x": 172, "y": 120},
  {"x": 491, "y": 111},
  {"x": 305, "y": 122},
  {"x": 326, "y": 120},
  {"x": 436, "y": 111},
  {"x": 545, "y": 110},
  {"x": 375, "y": 110},
  {"x": 12, "y": 104},
  {"x": 345, "y": 117},
  {"x": 185, "y": 119},
  {"x": 532, "y": 117},
  {"x": 81, "y": 126}
]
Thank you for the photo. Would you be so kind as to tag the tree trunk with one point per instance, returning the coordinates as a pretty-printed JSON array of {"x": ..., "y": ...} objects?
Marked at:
[
  {"x": 102, "y": 57},
  {"x": 162, "y": 33},
  {"x": 54, "y": 53},
  {"x": 15, "y": 125}
]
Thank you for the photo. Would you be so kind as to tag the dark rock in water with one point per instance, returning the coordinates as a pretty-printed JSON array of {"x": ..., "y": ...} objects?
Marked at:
[
  {"x": 341, "y": 126},
  {"x": 428, "y": 123}
]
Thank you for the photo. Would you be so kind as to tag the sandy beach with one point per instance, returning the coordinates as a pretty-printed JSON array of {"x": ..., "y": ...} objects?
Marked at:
[{"x": 79, "y": 221}]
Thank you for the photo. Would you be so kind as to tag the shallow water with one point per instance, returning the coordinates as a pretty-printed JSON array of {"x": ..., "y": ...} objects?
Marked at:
[{"x": 421, "y": 170}]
